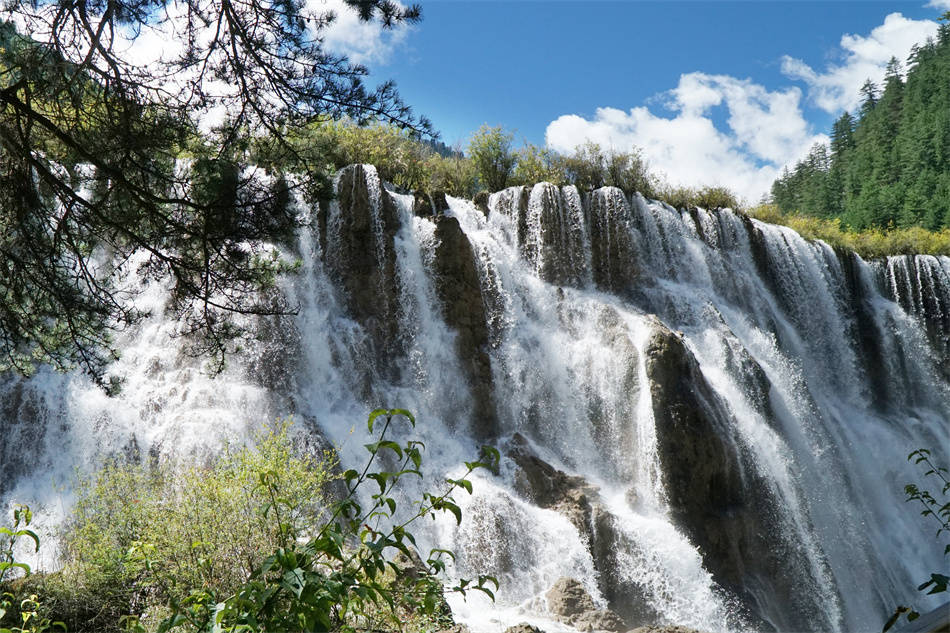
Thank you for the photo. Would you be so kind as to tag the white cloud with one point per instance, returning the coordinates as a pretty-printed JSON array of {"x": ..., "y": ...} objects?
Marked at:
[
  {"x": 766, "y": 130},
  {"x": 362, "y": 42},
  {"x": 939, "y": 4},
  {"x": 838, "y": 86}
]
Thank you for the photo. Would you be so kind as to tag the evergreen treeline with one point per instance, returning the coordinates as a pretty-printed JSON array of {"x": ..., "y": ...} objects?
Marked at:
[{"x": 888, "y": 165}]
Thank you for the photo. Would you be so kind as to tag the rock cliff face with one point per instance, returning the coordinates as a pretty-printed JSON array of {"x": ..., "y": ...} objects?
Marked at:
[
  {"x": 666, "y": 271},
  {"x": 571, "y": 604},
  {"x": 22, "y": 411},
  {"x": 459, "y": 289},
  {"x": 920, "y": 284},
  {"x": 612, "y": 248},
  {"x": 580, "y": 502},
  {"x": 357, "y": 245},
  {"x": 361, "y": 225},
  {"x": 714, "y": 490}
]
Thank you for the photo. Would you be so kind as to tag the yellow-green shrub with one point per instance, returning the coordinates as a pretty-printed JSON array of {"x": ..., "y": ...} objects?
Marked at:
[
  {"x": 538, "y": 164},
  {"x": 455, "y": 175},
  {"x": 191, "y": 523},
  {"x": 867, "y": 243}
]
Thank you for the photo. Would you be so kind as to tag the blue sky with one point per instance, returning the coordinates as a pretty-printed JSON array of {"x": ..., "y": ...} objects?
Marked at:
[{"x": 712, "y": 92}]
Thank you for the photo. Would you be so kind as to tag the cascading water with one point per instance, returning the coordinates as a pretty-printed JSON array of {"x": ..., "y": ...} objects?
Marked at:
[{"x": 703, "y": 418}]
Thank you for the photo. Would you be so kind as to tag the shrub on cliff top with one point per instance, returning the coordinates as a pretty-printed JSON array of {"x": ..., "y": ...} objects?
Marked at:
[{"x": 868, "y": 243}]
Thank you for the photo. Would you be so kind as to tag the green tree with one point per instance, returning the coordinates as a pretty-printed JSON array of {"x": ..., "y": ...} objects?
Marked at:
[
  {"x": 455, "y": 174},
  {"x": 629, "y": 172},
  {"x": 887, "y": 164},
  {"x": 538, "y": 164},
  {"x": 587, "y": 166},
  {"x": 492, "y": 155},
  {"x": 90, "y": 142}
]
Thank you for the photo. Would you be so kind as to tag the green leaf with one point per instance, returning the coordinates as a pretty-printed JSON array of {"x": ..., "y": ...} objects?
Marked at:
[
  {"x": 393, "y": 446},
  {"x": 380, "y": 479},
  {"x": 294, "y": 581},
  {"x": 406, "y": 414},
  {"x": 429, "y": 602},
  {"x": 10, "y": 565},
  {"x": 372, "y": 417}
]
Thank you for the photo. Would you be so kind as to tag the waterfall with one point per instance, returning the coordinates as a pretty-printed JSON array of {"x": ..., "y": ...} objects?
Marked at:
[{"x": 731, "y": 404}]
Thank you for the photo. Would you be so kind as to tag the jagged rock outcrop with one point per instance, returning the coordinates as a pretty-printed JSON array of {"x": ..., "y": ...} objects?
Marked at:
[
  {"x": 714, "y": 491},
  {"x": 553, "y": 234},
  {"x": 866, "y": 334},
  {"x": 23, "y": 412},
  {"x": 551, "y": 488},
  {"x": 702, "y": 474},
  {"x": 579, "y": 501},
  {"x": 425, "y": 204},
  {"x": 481, "y": 201},
  {"x": 613, "y": 254},
  {"x": 357, "y": 234},
  {"x": 459, "y": 291},
  {"x": 921, "y": 285},
  {"x": 570, "y": 603}
]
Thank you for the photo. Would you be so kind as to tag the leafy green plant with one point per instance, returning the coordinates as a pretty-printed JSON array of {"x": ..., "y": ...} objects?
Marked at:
[
  {"x": 22, "y": 517},
  {"x": 940, "y": 512},
  {"x": 491, "y": 152},
  {"x": 28, "y": 609},
  {"x": 455, "y": 174},
  {"x": 149, "y": 534},
  {"x": 250, "y": 540},
  {"x": 342, "y": 576},
  {"x": 538, "y": 164}
]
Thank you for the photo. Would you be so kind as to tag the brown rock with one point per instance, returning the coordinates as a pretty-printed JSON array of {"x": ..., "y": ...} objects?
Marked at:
[
  {"x": 557, "y": 249},
  {"x": 568, "y": 599},
  {"x": 549, "y": 487},
  {"x": 570, "y": 603},
  {"x": 613, "y": 254},
  {"x": 357, "y": 241},
  {"x": 523, "y": 628},
  {"x": 426, "y": 204},
  {"x": 579, "y": 501},
  {"x": 600, "y": 620},
  {"x": 481, "y": 201}
]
